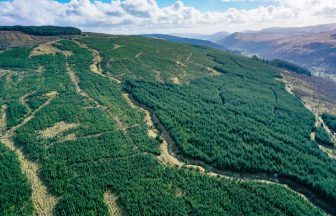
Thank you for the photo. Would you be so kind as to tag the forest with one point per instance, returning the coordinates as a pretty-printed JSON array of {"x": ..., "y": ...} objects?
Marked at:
[
  {"x": 323, "y": 137},
  {"x": 105, "y": 147},
  {"x": 330, "y": 121},
  {"x": 15, "y": 190},
  {"x": 290, "y": 66},
  {"x": 43, "y": 30},
  {"x": 282, "y": 64}
]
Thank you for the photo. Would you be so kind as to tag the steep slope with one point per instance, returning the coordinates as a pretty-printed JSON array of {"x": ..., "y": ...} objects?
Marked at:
[
  {"x": 312, "y": 50},
  {"x": 198, "y": 42},
  {"x": 98, "y": 153},
  {"x": 212, "y": 37}
]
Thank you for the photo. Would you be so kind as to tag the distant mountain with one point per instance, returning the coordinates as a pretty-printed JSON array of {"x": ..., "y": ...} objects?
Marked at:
[
  {"x": 191, "y": 41},
  {"x": 311, "y": 47},
  {"x": 217, "y": 36},
  {"x": 213, "y": 37},
  {"x": 302, "y": 30}
]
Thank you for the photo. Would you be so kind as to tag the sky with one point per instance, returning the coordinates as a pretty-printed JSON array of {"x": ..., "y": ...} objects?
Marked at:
[{"x": 168, "y": 16}]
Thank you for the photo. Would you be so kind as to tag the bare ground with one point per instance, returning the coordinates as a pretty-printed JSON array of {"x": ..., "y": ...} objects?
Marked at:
[
  {"x": 318, "y": 93},
  {"x": 158, "y": 76},
  {"x": 23, "y": 100},
  {"x": 3, "y": 119},
  {"x": 111, "y": 202},
  {"x": 310, "y": 102},
  {"x": 126, "y": 96},
  {"x": 43, "y": 49},
  {"x": 117, "y": 46},
  {"x": 57, "y": 129},
  {"x": 189, "y": 56},
  {"x": 180, "y": 63},
  {"x": 115, "y": 79},
  {"x": 138, "y": 55},
  {"x": 175, "y": 80},
  {"x": 166, "y": 158},
  {"x": 95, "y": 66},
  {"x": 330, "y": 152},
  {"x": 47, "y": 49},
  {"x": 69, "y": 137}
]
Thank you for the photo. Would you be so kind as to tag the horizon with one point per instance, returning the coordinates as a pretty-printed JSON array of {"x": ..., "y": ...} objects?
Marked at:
[{"x": 169, "y": 16}]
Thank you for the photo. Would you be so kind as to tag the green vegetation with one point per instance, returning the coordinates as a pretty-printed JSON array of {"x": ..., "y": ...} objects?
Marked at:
[
  {"x": 15, "y": 191},
  {"x": 330, "y": 121},
  {"x": 290, "y": 66},
  {"x": 43, "y": 30},
  {"x": 110, "y": 149},
  {"x": 323, "y": 137},
  {"x": 285, "y": 65},
  {"x": 243, "y": 121}
]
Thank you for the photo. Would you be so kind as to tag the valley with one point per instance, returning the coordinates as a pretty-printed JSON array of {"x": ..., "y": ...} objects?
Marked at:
[{"x": 311, "y": 47}]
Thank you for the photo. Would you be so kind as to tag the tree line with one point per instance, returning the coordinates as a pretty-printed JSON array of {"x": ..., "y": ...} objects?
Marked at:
[{"x": 43, "y": 30}]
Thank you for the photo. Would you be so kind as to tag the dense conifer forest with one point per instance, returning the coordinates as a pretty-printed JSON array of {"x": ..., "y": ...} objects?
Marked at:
[
  {"x": 330, "y": 121},
  {"x": 43, "y": 30},
  {"x": 323, "y": 137},
  {"x": 290, "y": 66},
  {"x": 284, "y": 65},
  {"x": 66, "y": 112},
  {"x": 15, "y": 190}
]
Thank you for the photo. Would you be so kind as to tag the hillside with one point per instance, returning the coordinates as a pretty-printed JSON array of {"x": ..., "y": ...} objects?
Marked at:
[
  {"x": 10, "y": 39},
  {"x": 197, "y": 42},
  {"x": 212, "y": 37},
  {"x": 315, "y": 51},
  {"x": 129, "y": 125}
]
